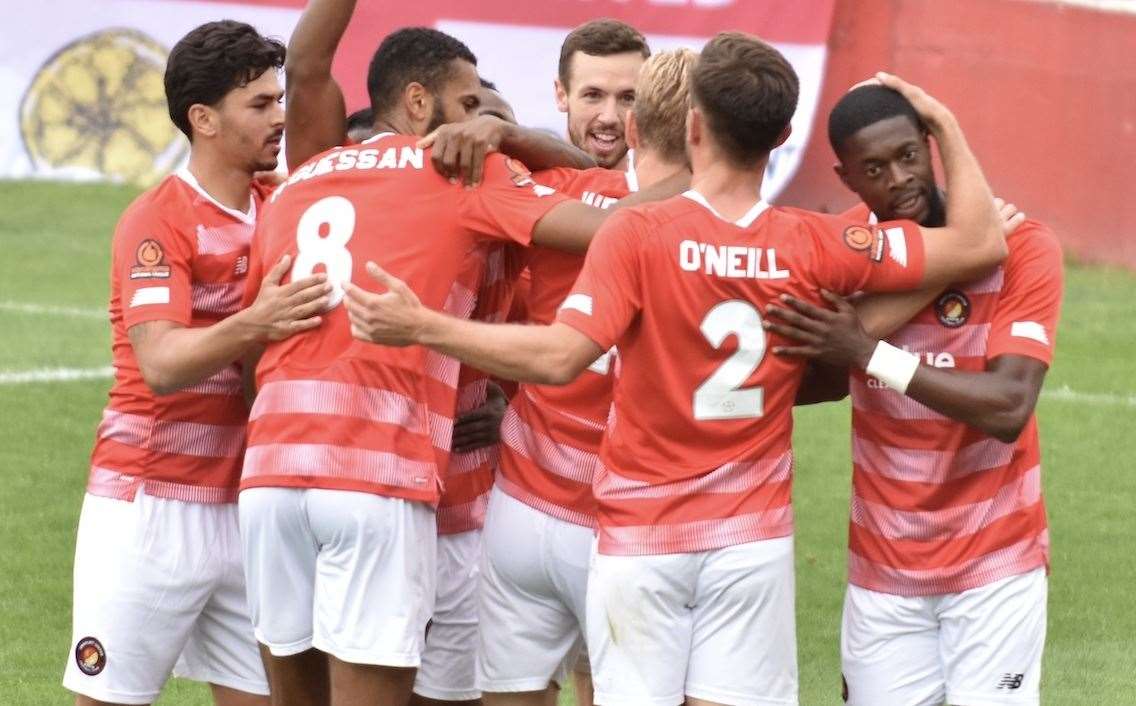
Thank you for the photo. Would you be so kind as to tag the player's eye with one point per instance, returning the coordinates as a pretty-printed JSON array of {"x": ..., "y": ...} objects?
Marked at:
[
  {"x": 909, "y": 155},
  {"x": 627, "y": 98},
  {"x": 873, "y": 171}
]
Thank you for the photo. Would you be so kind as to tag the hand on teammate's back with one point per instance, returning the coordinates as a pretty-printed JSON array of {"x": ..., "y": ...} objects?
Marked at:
[
  {"x": 481, "y": 427},
  {"x": 459, "y": 149},
  {"x": 832, "y": 336},
  {"x": 391, "y": 318},
  {"x": 281, "y": 310}
]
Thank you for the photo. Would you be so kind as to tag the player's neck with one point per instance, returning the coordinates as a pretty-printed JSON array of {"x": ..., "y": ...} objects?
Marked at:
[
  {"x": 650, "y": 169},
  {"x": 228, "y": 185},
  {"x": 732, "y": 191}
]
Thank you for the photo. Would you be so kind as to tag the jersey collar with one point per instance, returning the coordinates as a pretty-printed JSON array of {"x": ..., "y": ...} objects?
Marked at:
[
  {"x": 376, "y": 138},
  {"x": 744, "y": 222},
  {"x": 249, "y": 218}
]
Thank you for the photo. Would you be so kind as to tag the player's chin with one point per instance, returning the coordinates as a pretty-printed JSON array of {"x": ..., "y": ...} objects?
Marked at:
[
  {"x": 267, "y": 162},
  {"x": 609, "y": 158}
]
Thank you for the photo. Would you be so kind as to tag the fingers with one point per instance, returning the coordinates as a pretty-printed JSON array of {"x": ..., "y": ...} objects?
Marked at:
[
  {"x": 277, "y": 272},
  {"x": 795, "y": 319},
  {"x": 477, "y": 168},
  {"x": 383, "y": 277},
  {"x": 866, "y": 82},
  {"x": 450, "y": 156},
  {"x": 305, "y": 324},
  {"x": 797, "y": 351},
  {"x": 838, "y": 302},
  {"x": 427, "y": 141},
  {"x": 1013, "y": 223},
  {"x": 303, "y": 311},
  {"x": 465, "y": 163},
  {"x": 807, "y": 309},
  {"x": 791, "y": 332}
]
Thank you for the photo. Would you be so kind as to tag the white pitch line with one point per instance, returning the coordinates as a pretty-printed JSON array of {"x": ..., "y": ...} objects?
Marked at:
[
  {"x": 23, "y": 377},
  {"x": 50, "y": 310},
  {"x": 1096, "y": 399}
]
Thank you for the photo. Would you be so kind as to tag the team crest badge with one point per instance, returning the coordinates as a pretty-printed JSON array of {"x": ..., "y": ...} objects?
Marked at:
[
  {"x": 150, "y": 261},
  {"x": 864, "y": 239},
  {"x": 953, "y": 308},
  {"x": 90, "y": 656}
]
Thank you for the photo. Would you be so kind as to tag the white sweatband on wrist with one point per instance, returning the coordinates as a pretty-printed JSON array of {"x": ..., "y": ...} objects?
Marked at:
[{"x": 892, "y": 366}]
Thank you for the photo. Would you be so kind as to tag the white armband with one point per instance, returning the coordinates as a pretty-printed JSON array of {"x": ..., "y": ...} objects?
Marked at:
[{"x": 892, "y": 366}]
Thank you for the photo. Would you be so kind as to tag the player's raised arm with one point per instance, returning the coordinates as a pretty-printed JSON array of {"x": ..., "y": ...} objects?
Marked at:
[
  {"x": 972, "y": 241},
  {"x": 315, "y": 117},
  {"x": 553, "y": 354}
]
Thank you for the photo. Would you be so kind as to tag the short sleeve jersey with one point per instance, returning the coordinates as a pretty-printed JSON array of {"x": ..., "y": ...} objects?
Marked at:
[
  {"x": 697, "y": 454},
  {"x": 178, "y": 255},
  {"x": 335, "y": 412},
  {"x": 551, "y": 434},
  {"x": 939, "y": 506}
]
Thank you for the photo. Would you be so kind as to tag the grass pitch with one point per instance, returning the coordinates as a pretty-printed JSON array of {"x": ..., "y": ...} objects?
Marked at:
[{"x": 53, "y": 292}]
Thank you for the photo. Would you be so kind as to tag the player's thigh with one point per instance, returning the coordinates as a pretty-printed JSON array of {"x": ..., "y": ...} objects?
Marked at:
[
  {"x": 889, "y": 649},
  {"x": 991, "y": 640},
  {"x": 222, "y": 649},
  {"x": 279, "y": 552},
  {"x": 449, "y": 659},
  {"x": 528, "y": 598},
  {"x": 744, "y": 646},
  {"x": 640, "y": 627},
  {"x": 137, "y": 595},
  {"x": 375, "y": 576}
]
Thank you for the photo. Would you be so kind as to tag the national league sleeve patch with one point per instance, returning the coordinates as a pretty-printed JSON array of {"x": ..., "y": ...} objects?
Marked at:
[
  {"x": 1032, "y": 330},
  {"x": 150, "y": 295},
  {"x": 150, "y": 261}
]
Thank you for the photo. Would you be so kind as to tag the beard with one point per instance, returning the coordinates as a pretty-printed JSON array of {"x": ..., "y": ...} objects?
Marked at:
[{"x": 437, "y": 118}]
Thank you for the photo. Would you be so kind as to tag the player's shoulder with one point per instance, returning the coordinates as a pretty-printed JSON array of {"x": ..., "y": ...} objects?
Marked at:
[
  {"x": 1033, "y": 236},
  {"x": 859, "y": 212},
  {"x": 161, "y": 203}
]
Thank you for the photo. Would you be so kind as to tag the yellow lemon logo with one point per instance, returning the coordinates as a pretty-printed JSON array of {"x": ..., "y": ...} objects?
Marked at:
[{"x": 98, "y": 105}]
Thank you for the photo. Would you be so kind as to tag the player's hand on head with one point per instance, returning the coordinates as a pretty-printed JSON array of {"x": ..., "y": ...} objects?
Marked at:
[
  {"x": 481, "y": 427},
  {"x": 934, "y": 113},
  {"x": 831, "y": 335},
  {"x": 281, "y": 310},
  {"x": 1009, "y": 215},
  {"x": 269, "y": 177},
  {"x": 459, "y": 149},
  {"x": 392, "y": 318}
]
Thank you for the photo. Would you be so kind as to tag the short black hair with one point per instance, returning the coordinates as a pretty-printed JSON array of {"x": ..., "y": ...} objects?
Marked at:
[
  {"x": 362, "y": 119},
  {"x": 412, "y": 54},
  {"x": 486, "y": 83},
  {"x": 864, "y": 106},
  {"x": 212, "y": 60}
]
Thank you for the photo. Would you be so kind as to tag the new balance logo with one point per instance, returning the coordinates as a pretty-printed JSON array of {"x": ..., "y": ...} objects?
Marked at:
[{"x": 1010, "y": 681}]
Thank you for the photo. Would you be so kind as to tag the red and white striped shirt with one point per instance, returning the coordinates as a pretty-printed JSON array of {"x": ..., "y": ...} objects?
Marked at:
[
  {"x": 938, "y": 506},
  {"x": 697, "y": 455},
  {"x": 178, "y": 255},
  {"x": 469, "y": 475},
  {"x": 550, "y": 436},
  {"x": 332, "y": 411}
]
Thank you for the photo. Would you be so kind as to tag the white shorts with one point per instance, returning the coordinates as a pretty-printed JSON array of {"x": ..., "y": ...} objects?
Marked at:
[
  {"x": 716, "y": 625},
  {"x": 450, "y": 659},
  {"x": 159, "y": 590},
  {"x": 981, "y": 647},
  {"x": 534, "y": 576},
  {"x": 349, "y": 573}
]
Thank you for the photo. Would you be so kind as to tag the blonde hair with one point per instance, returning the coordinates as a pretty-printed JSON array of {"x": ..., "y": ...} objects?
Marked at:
[{"x": 662, "y": 98}]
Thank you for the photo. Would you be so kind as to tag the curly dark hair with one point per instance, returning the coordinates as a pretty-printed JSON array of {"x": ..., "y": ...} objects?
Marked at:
[
  {"x": 212, "y": 60},
  {"x": 412, "y": 55}
]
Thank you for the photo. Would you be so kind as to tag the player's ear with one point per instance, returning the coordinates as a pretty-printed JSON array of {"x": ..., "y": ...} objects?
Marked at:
[
  {"x": 841, "y": 173},
  {"x": 631, "y": 130},
  {"x": 203, "y": 120},
  {"x": 693, "y": 126},
  {"x": 784, "y": 135},
  {"x": 419, "y": 102},
  {"x": 561, "y": 95}
]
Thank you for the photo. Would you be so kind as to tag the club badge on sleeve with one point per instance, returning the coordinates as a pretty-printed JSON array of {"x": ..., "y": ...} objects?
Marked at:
[{"x": 150, "y": 261}]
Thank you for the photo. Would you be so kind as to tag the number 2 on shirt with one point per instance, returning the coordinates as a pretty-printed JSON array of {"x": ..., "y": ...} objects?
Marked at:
[
  {"x": 338, "y": 214},
  {"x": 721, "y": 395}
]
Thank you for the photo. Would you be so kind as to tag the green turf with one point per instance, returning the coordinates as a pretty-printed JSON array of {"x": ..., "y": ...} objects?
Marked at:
[{"x": 56, "y": 242}]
